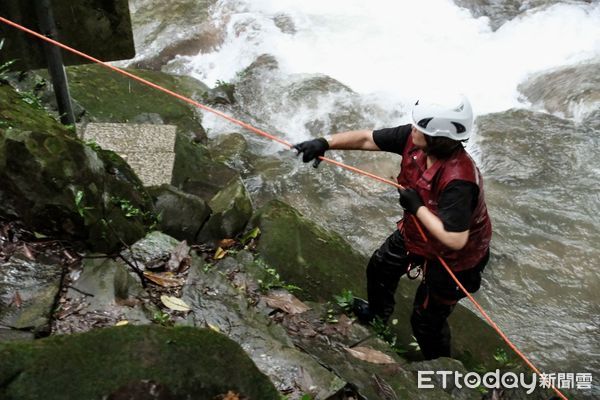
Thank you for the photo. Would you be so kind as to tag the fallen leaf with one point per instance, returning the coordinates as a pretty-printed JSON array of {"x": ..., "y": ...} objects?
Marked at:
[
  {"x": 122, "y": 323},
  {"x": 384, "y": 389},
  {"x": 231, "y": 396},
  {"x": 226, "y": 243},
  {"x": 179, "y": 255},
  {"x": 304, "y": 381},
  {"x": 175, "y": 303},
  {"x": 164, "y": 279},
  {"x": 27, "y": 252},
  {"x": 220, "y": 253},
  {"x": 286, "y": 302},
  {"x": 253, "y": 234},
  {"x": 370, "y": 355},
  {"x": 213, "y": 327},
  {"x": 16, "y": 301}
]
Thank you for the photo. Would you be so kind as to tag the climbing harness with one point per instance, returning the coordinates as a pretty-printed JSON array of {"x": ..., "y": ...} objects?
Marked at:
[{"x": 287, "y": 144}]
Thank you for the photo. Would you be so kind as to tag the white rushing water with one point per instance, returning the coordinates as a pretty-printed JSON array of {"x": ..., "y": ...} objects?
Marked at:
[{"x": 400, "y": 50}]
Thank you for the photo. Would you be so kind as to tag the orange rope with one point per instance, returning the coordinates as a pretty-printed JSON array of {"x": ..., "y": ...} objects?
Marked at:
[
  {"x": 484, "y": 313},
  {"x": 288, "y": 145}
]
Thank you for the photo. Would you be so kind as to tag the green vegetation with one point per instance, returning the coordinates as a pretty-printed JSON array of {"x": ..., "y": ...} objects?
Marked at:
[
  {"x": 191, "y": 362},
  {"x": 272, "y": 279},
  {"x": 345, "y": 300},
  {"x": 162, "y": 318},
  {"x": 81, "y": 209}
]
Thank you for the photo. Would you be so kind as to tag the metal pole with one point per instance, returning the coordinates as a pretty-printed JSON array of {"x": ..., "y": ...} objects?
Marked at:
[{"x": 55, "y": 63}]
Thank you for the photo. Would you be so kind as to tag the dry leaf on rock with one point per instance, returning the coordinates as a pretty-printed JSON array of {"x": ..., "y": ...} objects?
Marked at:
[
  {"x": 175, "y": 303},
  {"x": 16, "y": 300},
  {"x": 27, "y": 252},
  {"x": 122, "y": 323},
  {"x": 384, "y": 389},
  {"x": 253, "y": 234},
  {"x": 164, "y": 279},
  {"x": 370, "y": 355},
  {"x": 179, "y": 256},
  {"x": 219, "y": 253},
  {"x": 231, "y": 396},
  {"x": 226, "y": 243},
  {"x": 286, "y": 302}
]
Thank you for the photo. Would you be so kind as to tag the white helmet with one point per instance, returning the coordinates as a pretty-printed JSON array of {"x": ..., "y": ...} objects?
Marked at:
[{"x": 453, "y": 120}]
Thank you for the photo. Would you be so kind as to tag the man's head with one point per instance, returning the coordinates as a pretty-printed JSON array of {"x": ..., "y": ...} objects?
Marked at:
[{"x": 440, "y": 127}]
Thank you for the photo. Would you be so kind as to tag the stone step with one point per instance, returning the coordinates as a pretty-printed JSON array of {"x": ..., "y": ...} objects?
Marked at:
[{"x": 147, "y": 148}]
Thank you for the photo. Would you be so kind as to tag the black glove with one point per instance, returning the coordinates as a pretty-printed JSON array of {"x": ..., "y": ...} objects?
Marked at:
[
  {"x": 312, "y": 150},
  {"x": 410, "y": 200}
]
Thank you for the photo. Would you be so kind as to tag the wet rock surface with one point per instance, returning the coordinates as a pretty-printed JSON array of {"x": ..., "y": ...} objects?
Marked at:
[
  {"x": 162, "y": 31},
  {"x": 572, "y": 92},
  {"x": 188, "y": 362},
  {"x": 501, "y": 11},
  {"x": 182, "y": 214}
]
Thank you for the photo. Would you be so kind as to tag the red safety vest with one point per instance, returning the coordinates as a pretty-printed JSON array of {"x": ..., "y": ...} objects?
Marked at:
[{"x": 429, "y": 183}]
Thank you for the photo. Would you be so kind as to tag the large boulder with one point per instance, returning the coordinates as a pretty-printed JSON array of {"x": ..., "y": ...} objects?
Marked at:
[
  {"x": 28, "y": 290},
  {"x": 323, "y": 264},
  {"x": 181, "y": 215},
  {"x": 573, "y": 92},
  {"x": 58, "y": 185},
  {"x": 232, "y": 209},
  {"x": 196, "y": 172},
  {"x": 163, "y": 31},
  {"x": 186, "y": 362}
]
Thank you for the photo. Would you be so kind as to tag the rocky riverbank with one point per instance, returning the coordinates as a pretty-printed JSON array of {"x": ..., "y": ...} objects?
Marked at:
[{"x": 188, "y": 289}]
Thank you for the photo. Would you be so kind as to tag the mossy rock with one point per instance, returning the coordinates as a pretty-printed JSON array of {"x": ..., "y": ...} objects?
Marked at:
[
  {"x": 196, "y": 172},
  {"x": 321, "y": 262},
  {"x": 182, "y": 215},
  {"x": 232, "y": 209},
  {"x": 58, "y": 185},
  {"x": 111, "y": 97},
  {"x": 190, "y": 363},
  {"x": 25, "y": 113},
  {"x": 324, "y": 264}
]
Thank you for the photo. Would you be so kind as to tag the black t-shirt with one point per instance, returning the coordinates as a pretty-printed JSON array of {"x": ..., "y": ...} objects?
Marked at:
[{"x": 457, "y": 201}]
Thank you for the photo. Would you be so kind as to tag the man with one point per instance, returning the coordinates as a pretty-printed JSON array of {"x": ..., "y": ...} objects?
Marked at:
[{"x": 443, "y": 193}]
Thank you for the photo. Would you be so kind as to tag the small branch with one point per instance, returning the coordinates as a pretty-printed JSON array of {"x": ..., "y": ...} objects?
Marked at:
[
  {"x": 361, "y": 341},
  {"x": 135, "y": 268},
  {"x": 80, "y": 291}
]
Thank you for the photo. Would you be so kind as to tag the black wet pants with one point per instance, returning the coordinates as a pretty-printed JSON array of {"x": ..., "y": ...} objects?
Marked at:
[{"x": 434, "y": 300}]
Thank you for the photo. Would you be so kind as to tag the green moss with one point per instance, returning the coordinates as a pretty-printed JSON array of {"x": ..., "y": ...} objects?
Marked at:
[
  {"x": 16, "y": 113},
  {"x": 111, "y": 97},
  {"x": 56, "y": 184},
  {"x": 192, "y": 363},
  {"x": 321, "y": 262}
]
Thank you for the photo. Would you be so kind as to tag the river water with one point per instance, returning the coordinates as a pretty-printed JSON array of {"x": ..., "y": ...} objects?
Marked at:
[{"x": 541, "y": 169}]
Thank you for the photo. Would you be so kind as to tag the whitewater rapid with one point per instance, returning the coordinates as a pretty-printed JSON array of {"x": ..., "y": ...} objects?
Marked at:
[{"x": 395, "y": 52}]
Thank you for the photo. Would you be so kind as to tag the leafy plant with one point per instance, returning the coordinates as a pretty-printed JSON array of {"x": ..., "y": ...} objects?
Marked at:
[
  {"x": 162, "y": 318},
  {"x": 385, "y": 333},
  {"x": 4, "y": 68},
  {"x": 503, "y": 359},
  {"x": 248, "y": 236},
  {"x": 129, "y": 209},
  {"x": 330, "y": 315},
  {"x": 81, "y": 209},
  {"x": 345, "y": 300},
  {"x": 32, "y": 99},
  {"x": 272, "y": 279}
]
